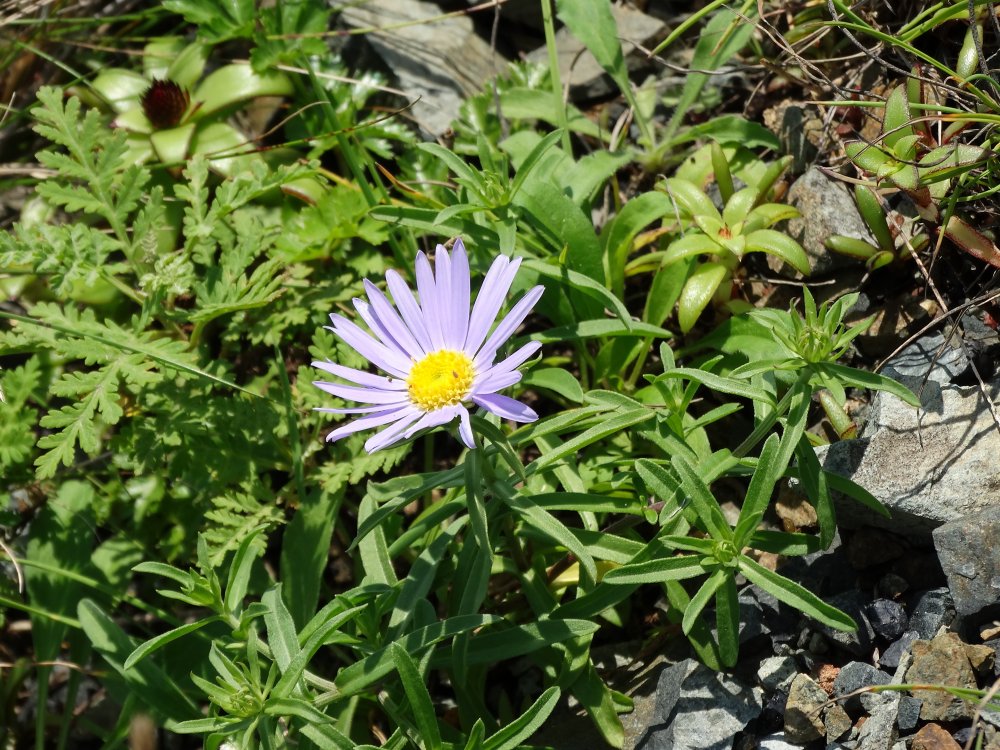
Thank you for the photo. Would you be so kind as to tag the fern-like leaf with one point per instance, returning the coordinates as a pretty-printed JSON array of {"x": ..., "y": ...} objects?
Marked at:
[
  {"x": 234, "y": 516},
  {"x": 96, "y": 179}
]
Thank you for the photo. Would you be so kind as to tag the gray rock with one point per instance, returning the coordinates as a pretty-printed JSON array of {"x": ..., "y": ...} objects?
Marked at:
[
  {"x": 888, "y": 618},
  {"x": 777, "y": 672},
  {"x": 578, "y": 68},
  {"x": 803, "y": 719},
  {"x": 909, "y": 713},
  {"x": 699, "y": 709},
  {"x": 777, "y": 741},
  {"x": 928, "y": 466},
  {"x": 892, "y": 656},
  {"x": 441, "y": 60},
  {"x": 879, "y": 730},
  {"x": 836, "y": 722},
  {"x": 854, "y": 676},
  {"x": 858, "y": 642},
  {"x": 928, "y": 359},
  {"x": 932, "y": 610},
  {"x": 970, "y": 558},
  {"x": 827, "y": 208}
]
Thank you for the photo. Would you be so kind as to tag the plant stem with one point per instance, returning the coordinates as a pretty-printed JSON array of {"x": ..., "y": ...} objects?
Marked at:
[
  {"x": 764, "y": 428},
  {"x": 557, "y": 96}
]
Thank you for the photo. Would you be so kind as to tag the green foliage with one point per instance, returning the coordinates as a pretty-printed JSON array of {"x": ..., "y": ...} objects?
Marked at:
[
  {"x": 743, "y": 226},
  {"x": 157, "y": 404}
]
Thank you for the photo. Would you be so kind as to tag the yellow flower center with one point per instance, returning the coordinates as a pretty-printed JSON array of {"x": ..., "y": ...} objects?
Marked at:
[{"x": 442, "y": 378}]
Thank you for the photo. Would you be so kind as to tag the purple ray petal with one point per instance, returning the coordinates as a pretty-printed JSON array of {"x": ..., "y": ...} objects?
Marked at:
[
  {"x": 489, "y": 300},
  {"x": 362, "y": 395},
  {"x": 433, "y": 419},
  {"x": 360, "y": 377},
  {"x": 409, "y": 309},
  {"x": 429, "y": 298},
  {"x": 507, "y": 326},
  {"x": 505, "y": 407},
  {"x": 377, "y": 419},
  {"x": 389, "y": 318},
  {"x": 459, "y": 302},
  {"x": 496, "y": 381},
  {"x": 358, "y": 409},
  {"x": 514, "y": 361},
  {"x": 445, "y": 298},
  {"x": 465, "y": 429},
  {"x": 393, "y": 433},
  {"x": 393, "y": 362}
]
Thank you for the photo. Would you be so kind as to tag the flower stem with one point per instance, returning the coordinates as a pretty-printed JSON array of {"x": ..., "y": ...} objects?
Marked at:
[{"x": 557, "y": 95}]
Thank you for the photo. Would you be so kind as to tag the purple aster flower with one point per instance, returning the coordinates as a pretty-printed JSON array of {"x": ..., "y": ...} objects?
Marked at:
[{"x": 437, "y": 355}]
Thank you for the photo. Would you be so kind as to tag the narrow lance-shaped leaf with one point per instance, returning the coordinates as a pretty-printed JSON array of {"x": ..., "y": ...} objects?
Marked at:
[{"x": 795, "y": 595}]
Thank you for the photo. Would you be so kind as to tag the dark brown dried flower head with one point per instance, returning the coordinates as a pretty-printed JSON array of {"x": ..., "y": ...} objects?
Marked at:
[{"x": 165, "y": 103}]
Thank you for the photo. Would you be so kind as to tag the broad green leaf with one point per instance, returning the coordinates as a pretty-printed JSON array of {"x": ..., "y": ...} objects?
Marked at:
[
  {"x": 896, "y": 126},
  {"x": 239, "y": 570},
  {"x": 588, "y": 174},
  {"x": 281, "y": 635},
  {"x": 721, "y": 38},
  {"x": 534, "y": 104},
  {"x": 235, "y": 83},
  {"x": 602, "y": 328},
  {"x": 599, "y": 701},
  {"x": 554, "y": 379},
  {"x": 869, "y": 158},
  {"x": 119, "y": 87},
  {"x": 551, "y": 527},
  {"x": 612, "y": 425},
  {"x": 784, "y": 543},
  {"x": 689, "y": 199},
  {"x": 158, "y": 642},
  {"x": 421, "y": 705},
  {"x": 657, "y": 571},
  {"x": 364, "y": 672},
  {"x": 584, "y": 284},
  {"x": 795, "y": 595},
  {"x": 704, "y": 503},
  {"x": 566, "y": 227},
  {"x": 727, "y": 621},
  {"x": 592, "y": 22},
  {"x": 722, "y": 384},
  {"x": 862, "y": 379},
  {"x": 702, "y": 597},
  {"x": 781, "y": 246},
  {"x": 499, "y": 644},
  {"x": 619, "y": 233},
  {"x": 691, "y": 245},
  {"x": 523, "y": 727},
  {"x": 732, "y": 129},
  {"x": 758, "y": 495},
  {"x": 146, "y": 681},
  {"x": 171, "y": 145},
  {"x": 698, "y": 291}
]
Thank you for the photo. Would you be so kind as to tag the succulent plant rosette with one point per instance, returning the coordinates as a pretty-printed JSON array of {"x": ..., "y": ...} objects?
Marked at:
[{"x": 172, "y": 111}]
